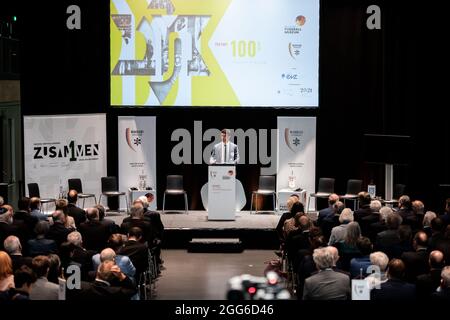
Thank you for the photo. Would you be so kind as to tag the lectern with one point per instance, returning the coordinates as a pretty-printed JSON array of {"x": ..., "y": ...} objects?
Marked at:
[{"x": 222, "y": 192}]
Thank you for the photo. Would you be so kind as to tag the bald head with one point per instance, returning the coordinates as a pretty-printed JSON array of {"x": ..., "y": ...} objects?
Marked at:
[
  {"x": 72, "y": 196},
  {"x": 421, "y": 240},
  {"x": 333, "y": 198},
  {"x": 107, "y": 254},
  {"x": 418, "y": 207},
  {"x": 436, "y": 259}
]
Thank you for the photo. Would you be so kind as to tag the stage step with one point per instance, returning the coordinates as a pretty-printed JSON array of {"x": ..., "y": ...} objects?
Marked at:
[{"x": 215, "y": 245}]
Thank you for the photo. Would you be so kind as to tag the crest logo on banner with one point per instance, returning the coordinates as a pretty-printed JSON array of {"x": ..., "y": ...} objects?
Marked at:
[{"x": 293, "y": 139}]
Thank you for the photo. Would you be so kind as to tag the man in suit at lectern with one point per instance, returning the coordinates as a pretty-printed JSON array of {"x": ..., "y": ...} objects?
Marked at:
[{"x": 225, "y": 151}]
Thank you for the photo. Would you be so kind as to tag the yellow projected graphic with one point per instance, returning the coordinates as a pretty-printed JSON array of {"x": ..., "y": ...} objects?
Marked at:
[{"x": 212, "y": 52}]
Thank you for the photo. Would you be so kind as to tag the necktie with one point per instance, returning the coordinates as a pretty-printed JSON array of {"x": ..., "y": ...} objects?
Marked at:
[{"x": 225, "y": 153}]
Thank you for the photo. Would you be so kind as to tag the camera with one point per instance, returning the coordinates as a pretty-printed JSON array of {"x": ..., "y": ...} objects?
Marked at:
[{"x": 248, "y": 287}]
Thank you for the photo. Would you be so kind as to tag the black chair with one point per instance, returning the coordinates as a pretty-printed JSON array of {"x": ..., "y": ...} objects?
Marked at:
[
  {"x": 174, "y": 187},
  {"x": 399, "y": 190},
  {"x": 325, "y": 189},
  {"x": 354, "y": 187},
  {"x": 109, "y": 189},
  {"x": 75, "y": 184},
  {"x": 33, "y": 191},
  {"x": 266, "y": 188}
]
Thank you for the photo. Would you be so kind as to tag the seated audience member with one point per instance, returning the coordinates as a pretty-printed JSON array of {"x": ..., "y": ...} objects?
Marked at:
[
  {"x": 329, "y": 223},
  {"x": 378, "y": 259},
  {"x": 380, "y": 226},
  {"x": 359, "y": 265},
  {"x": 326, "y": 284},
  {"x": 136, "y": 249},
  {"x": 24, "y": 277},
  {"x": 426, "y": 223},
  {"x": 348, "y": 248},
  {"x": 291, "y": 224},
  {"x": 112, "y": 226},
  {"x": 73, "y": 211},
  {"x": 374, "y": 216},
  {"x": 429, "y": 282},
  {"x": 35, "y": 209},
  {"x": 9, "y": 225},
  {"x": 58, "y": 230},
  {"x": 416, "y": 262},
  {"x": 443, "y": 292},
  {"x": 285, "y": 216},
  {"x": 79, "y": 255},
  {"x": 154, "y": 216},
  {"x": 338, "y": 233},
  {"x": 405, "y": 211},
  {"x": 405, "y": 244},
  {"x": 6, "y": 272},
  {"x": 418, "y": 209},
  {"x": 444, "y": 245},
  {"x": 95, "y": 234},
  {"x": 41, "y": 245},
  {"x": 6, "y": 227},
  {"x": 364, "y": 206},
  {"x": 23, "y": 215},
  {"x": 42, "y": 289},
  {"x": 69, "y": 222},
  {"x": 54, "y": 270},
  {"x": 446, "y": 215},
  {"x": 136, "y": 219},
  {"x": 437, "y": 233},
  {"x": 389, "y": 239},
  {"x": 395, "y": 288},
  {"x": 328, "y": 213},
  {"x": 14, "y": 249},
  {"x": 124, "y": 262},
  {"x": 110, "y": 284}
]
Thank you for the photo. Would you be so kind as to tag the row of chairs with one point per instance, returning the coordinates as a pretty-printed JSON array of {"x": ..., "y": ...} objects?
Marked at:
[{"x": 109, "y": 189}]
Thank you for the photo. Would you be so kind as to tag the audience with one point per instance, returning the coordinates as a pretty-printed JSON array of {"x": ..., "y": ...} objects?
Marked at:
[
  {"x": 428, "y": 283},
  {"x": 338, "y": 233}
]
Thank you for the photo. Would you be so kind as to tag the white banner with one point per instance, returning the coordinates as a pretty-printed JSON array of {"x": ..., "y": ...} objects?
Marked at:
[
  {"x": 137, "y": 154},
  {"x": 296, "y": 154},
  {"x": 61, "y": 147}
]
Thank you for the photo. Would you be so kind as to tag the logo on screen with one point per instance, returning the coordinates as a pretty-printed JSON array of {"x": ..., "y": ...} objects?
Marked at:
[
  {"x": 133, "y": 137},
  {"x": 289, "y": 76},
  {"x": 294, "y": 49},
  {"x": 300, "y": 20}
]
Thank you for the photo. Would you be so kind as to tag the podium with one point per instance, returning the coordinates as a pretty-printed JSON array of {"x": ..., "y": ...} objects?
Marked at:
[{"x": 222, "y": 192}]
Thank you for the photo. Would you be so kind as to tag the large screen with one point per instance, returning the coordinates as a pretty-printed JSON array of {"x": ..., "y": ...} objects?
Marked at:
[{"x": 253, "y": 53}]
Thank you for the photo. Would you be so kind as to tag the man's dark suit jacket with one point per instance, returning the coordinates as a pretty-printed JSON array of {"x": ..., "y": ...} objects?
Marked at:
[
  {"x": 78, "y": 214},
  {"x": 95, "y": 235},
  {"x": 98, "y": 290},
  {"x": 394, "y": 289},
  {"x": 428, "y": 283},
  {"x": 416, "y": 263},
  {"x": 138, "y": 254}
]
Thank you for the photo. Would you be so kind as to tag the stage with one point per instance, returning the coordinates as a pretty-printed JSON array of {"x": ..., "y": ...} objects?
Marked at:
[{"x": 255, "y": 231}]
